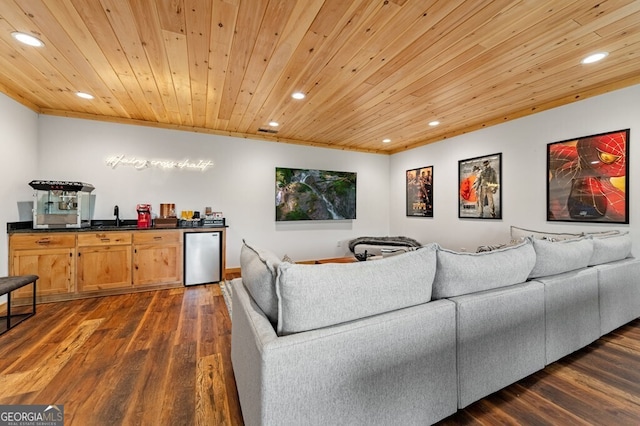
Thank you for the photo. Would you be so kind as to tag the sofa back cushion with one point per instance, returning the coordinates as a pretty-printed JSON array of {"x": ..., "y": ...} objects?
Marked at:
[
  {"x": 316, "y": 296},
  {"x": 556, "y": 257},
  {"x": 259, "y": 269},
  {"x": 609, "y": 248},
  {"x": 463, "y": 273}
]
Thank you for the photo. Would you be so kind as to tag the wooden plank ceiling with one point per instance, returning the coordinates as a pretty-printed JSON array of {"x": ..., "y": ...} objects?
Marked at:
[{"x": 370, "y": 69}]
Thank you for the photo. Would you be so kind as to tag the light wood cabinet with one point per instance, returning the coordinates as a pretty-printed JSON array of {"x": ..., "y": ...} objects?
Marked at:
[
  {"x": 157, "y": 258},
  {"x": 51, "y": 257},
  {"x": 84, "y": 263},
  {"x": 104, "y": 261}
]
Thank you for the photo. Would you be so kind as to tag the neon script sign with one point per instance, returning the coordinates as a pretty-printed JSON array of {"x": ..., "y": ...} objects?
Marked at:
[{"x": 141, "y": 163}]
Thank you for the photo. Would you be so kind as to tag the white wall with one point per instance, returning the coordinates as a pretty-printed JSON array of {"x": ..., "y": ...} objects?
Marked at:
[
  {"x": 18, "y": 165},
  {"x": 523, "y": 145},
  {"x": 241, "y": 184}
]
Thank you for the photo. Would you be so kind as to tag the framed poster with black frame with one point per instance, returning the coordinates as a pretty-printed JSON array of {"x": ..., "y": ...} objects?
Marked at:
[
  {"x": 587, "y": 178},
  {"x": 480, "y": 187},
  {"x": 420, "y": 192}
]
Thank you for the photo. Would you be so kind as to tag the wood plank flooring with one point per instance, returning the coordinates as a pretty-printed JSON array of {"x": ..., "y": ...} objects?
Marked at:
[
  {"x": 597, "y": 385},
  {"x": 156, "y": 358},
  {"x": 163, "y": 358}
]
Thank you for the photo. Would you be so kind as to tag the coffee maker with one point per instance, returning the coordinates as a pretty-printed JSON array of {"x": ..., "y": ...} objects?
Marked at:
[{"x": 144, "y": 215}]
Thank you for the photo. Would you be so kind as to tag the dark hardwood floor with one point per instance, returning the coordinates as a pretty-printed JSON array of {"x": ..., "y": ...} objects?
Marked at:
[
  {"x": 163, "y": 358},
  {"x": 597, "y": 385},
  {"x": 153, "y": 358}
]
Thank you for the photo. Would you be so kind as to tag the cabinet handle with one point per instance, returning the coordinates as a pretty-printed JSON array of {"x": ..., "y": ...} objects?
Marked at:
[
  {"x": 157, "y": 238},
  {"x": 105, "y": 240},
  {"x": 43, "y": 241}
]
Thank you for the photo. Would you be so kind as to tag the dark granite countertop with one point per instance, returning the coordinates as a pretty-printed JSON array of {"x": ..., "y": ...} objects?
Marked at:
[{"x": 97, "y": 225}]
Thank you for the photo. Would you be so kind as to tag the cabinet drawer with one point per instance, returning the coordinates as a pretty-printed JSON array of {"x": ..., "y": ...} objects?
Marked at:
[
  {"x": 150, "y": 237},
  {"x": 104, "y": 238},
  {"x": 48, "y": 240}
]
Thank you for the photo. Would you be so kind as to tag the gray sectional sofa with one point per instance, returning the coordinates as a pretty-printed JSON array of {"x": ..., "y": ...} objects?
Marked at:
[{"x": 411, "y": 338}]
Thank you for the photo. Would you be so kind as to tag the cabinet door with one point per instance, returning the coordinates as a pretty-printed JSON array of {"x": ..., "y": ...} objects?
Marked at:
[
  {"x": 103, "y": 268},
  {"x": 54, "y": 267},
  {"x": 157, "y": 264}
]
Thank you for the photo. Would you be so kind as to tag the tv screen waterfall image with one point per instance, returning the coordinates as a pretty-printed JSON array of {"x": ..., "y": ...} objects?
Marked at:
[{"x": 304, "y": 194}]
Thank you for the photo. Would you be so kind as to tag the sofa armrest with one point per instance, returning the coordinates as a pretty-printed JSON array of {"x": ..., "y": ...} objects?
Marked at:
[{"x": 397, "y": 367}]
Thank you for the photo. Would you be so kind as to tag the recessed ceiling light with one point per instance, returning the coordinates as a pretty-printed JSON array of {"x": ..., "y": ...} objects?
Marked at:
[
  {"x": 434, "y": 123},
  {"x": 298, "y": 95},
  {"x": 274, "y": 124},
  {"x": 595, "y": 57},
  {"x": 387, "y": 140},
  {"x": 84, "y": 95},
  {"x": 27, "y": 39}
]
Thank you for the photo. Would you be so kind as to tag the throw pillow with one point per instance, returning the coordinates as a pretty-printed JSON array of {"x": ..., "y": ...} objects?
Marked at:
[
  {"x": 461, "y": 273},
  {"x": 259, "y": 268},
  {"x": 317, "y": 296},
  {"x": 603, "y": 233},
  {"x": 556, "y": 257},
  {"x": 609, "y": 248},
  {"x": 484, "y": 248},
  {"x": 517, "y": 232}
]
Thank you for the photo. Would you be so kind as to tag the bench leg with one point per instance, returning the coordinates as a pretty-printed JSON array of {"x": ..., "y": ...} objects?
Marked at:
[
  {"x": 8, "y": 311},
  {"x": 19, "y": 317}
]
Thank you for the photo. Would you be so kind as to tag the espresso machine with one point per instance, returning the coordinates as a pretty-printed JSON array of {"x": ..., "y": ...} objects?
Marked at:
[{"x": 144, "y": 215}]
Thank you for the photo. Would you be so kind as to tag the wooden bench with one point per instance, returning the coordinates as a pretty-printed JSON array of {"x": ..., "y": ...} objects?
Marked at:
[{"x": 7, "y": 285}]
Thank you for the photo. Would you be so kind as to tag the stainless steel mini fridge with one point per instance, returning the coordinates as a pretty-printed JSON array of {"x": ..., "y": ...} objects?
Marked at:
[{"x": 202, "y": 257}]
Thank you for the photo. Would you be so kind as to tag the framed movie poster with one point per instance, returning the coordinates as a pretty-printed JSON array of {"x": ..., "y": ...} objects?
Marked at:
[
  {"x": 587, "y": 179},
  {"x": 420, "y": 192},
  {"x": 480, "y": 187}
]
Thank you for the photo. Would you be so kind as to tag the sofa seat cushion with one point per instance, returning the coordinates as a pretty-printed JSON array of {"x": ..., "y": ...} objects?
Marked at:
[
  {"x": 259, "y": 270},
  {"x": 557, "y": 257},
  {"x": 609, "y": 248},
  {"x": 463, "y": 273},
  {"x": 316, "y": 296}
]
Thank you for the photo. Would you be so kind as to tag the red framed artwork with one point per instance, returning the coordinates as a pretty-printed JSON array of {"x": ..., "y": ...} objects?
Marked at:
[{"x": 587, "y": 179}]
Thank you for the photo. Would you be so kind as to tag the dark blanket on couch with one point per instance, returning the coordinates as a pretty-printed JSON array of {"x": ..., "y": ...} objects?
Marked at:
[{"x": 384, "y": 241}]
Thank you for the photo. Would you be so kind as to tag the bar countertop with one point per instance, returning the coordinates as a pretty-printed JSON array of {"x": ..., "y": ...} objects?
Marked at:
[{"x": 101, "y": 225}]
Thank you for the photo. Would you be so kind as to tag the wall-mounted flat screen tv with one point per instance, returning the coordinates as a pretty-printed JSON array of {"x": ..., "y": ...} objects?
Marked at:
[{"x": 307, "y": 194}]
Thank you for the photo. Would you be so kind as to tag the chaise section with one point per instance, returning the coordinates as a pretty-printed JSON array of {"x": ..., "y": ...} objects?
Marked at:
[
  {"x": 499, "y": 316},
  {"x": 411, "y": 338},
  {"x": 500, "y": 335},
  {"x": 572, "y": 317},
  {"x": 397, "y": 367},
  {"x": 619, "y": 293}
]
